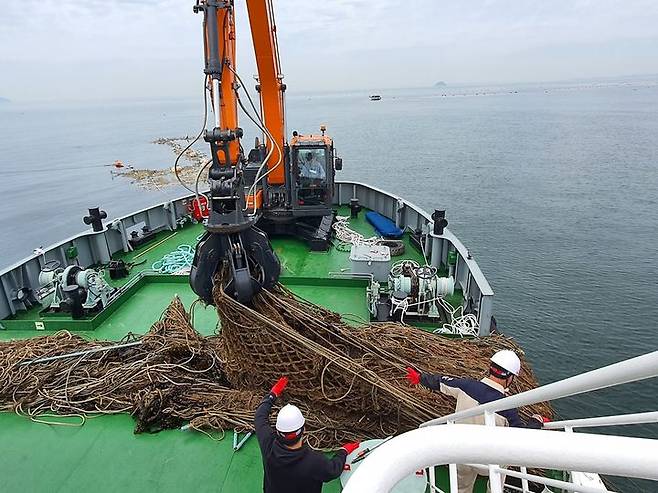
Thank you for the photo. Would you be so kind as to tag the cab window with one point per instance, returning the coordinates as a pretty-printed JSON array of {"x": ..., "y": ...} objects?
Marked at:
[{"x": 312, "y": 167}]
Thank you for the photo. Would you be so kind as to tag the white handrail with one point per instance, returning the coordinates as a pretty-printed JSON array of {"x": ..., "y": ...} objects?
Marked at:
[
  {"x": 632, "y": 370},
  {"x": 564, "y": 485},
  {"x": 465, "y": 444},
  {"x": 617, "y": 420}
]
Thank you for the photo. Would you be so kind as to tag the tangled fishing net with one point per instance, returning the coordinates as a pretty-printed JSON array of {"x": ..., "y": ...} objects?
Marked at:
[{"x": 348, "y": 381}]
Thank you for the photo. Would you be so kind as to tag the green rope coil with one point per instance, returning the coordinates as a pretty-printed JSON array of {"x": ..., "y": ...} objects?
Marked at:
[{"x": 175, "y": 261}]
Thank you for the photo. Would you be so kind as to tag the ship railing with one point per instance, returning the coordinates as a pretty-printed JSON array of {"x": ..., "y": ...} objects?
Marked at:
[
  {"x": 604, "y": 421},
  {"x": 97, "y": 247},
  {"x": 441, "y": 249},
  {"x": 432, "y": 444}
]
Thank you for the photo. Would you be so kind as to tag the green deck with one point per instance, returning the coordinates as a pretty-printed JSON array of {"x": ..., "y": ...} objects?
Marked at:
[{"x": 104, "y": 455}]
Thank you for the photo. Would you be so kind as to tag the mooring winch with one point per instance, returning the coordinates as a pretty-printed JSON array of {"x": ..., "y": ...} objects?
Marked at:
[{"x": 73, "y": 289}]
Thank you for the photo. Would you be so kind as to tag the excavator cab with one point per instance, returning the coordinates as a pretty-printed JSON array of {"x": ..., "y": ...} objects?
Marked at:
[
  {"x": 312, "y": 171},
  {"x": 300, "y": 203}
]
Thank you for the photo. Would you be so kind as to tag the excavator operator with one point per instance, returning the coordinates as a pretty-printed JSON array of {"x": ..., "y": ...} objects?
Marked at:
[{"x": 311, "y": 169}]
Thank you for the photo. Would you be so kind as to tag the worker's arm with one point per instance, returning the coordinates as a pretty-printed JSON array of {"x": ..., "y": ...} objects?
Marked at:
[
  {"x": 325, "y": 469},
  {"x": 474, "y": 389},
  {"x": 431, "y": 381},
  {"x": 321, "y": 174},
  {"x": 514, "y": 420},
  {"x": 264, "y": 431},
  {"x": 445, "y": 385}
]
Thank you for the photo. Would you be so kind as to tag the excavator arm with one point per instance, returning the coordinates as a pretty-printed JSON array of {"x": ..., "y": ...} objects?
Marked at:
[
  {"x": 270, "y": 85},
  {"x": 231, "y": 240},
  {"x": 219, "y": 55},
  {"x": 285, "y": 188}
]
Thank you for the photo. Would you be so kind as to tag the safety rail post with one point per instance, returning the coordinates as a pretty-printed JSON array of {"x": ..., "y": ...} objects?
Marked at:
[
  {"x": 452, "y": 473},
  {"x": 495, "y": 480},
  {"x": 568, "y": 474},
  {"x": 525, "y": 487},
  {"x": 454, "y": 481},
  {"x": 431, "y": 476}
]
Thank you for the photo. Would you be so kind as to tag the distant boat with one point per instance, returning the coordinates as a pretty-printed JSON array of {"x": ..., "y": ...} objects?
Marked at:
[{"x": 375, "y": 97}]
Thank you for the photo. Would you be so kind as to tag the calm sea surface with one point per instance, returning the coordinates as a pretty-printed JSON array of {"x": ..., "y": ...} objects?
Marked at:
[{"x": 553, "y": 189}]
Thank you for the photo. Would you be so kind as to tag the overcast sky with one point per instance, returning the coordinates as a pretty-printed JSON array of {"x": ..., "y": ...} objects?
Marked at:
[{"x": 85, "y": 49}]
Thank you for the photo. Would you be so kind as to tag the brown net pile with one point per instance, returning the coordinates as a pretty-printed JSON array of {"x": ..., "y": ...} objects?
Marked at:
[
  {"x": 172, "y": 377},
  {"x": 348, "y": 381}
]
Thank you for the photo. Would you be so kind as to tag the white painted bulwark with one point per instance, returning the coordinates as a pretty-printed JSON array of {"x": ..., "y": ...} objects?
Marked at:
[{"x": 467, "y": 444}]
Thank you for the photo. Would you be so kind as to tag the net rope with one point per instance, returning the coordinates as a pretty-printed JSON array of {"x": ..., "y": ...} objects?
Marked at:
[{"x": 348, "y": 381}]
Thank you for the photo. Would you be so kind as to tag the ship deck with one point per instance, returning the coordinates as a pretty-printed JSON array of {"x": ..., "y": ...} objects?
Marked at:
[{"x": 104, "y": 454}]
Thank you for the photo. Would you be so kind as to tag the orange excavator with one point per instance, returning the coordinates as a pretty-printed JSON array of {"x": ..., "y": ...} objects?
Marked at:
[{"x": 280, "y": 187}]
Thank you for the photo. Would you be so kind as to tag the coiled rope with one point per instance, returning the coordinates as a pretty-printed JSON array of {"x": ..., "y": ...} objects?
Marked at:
[
  {"x": 177, "y": 261},
  {"x": 345, "y": 234}
]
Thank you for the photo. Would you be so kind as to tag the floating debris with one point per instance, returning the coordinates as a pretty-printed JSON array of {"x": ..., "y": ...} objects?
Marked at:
[
  {"x": 197, "y": 158},
  {"x": 156, "y": 179}
]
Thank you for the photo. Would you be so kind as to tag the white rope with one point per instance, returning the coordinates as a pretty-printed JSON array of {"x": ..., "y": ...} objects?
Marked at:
[
  {"x": 396, "y": 270},
  {"x": 460, "y": 324},
  {"x": 347, "y": 235}
]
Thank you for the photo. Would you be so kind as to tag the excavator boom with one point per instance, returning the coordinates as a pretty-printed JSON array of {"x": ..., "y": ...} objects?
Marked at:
[
  {"x": 270, "y": 84},
  {"x": 280, "y": 187},
  {"x": 231, "y": 240}
]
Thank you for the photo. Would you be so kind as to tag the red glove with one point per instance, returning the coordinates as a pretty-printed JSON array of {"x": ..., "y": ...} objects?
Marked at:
[
  {"x": 541, "y": 419},
  {"x": 279, "y": 386},
  {"x": 412, "y": 376},
  {"x": 351, "y": 447}
]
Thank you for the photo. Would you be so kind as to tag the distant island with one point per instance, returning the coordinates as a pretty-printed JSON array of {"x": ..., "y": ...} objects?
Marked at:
[
  {"x": 4, "y": 101},
  {"x": 440, "y": 84}
]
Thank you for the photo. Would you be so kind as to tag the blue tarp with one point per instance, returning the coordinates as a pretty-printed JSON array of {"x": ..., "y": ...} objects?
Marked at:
[{"x": 383, "y": 225}]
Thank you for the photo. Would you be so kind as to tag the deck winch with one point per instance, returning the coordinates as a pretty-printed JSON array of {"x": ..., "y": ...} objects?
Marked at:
[
  {"x": 411, "y": 290},
  {"x": 73, "y": 289}
]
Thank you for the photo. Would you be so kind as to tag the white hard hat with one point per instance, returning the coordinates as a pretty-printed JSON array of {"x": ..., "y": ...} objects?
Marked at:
[
  {"x": 507, "y": 360},
  {"x": 289, "y": 419}
]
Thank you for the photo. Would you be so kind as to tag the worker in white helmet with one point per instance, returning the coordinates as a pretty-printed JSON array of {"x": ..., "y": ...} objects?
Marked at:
[
  {"x": 503, "y": 368},
  {"x": 290, "y": 466}
]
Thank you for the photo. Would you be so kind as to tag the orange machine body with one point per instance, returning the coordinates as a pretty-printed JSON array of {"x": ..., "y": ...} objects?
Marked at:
[
  {"x": 301, "y": 140},
  {"x": 255, "y": 201},
  {"x": 270, "y": 79},
  {"x": 228, "y": 114}
]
